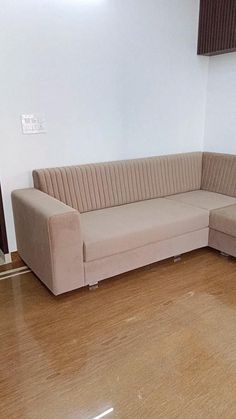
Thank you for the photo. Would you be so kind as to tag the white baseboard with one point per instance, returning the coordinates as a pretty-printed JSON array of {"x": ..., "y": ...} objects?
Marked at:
[
  {"x": 5, "y": 258},
  {"x": 2, "y": 258},
  {"x": 8, "y": 258}
]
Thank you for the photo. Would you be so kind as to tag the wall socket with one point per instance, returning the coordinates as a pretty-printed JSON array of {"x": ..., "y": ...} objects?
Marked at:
[{"x": 33, "y": 124}]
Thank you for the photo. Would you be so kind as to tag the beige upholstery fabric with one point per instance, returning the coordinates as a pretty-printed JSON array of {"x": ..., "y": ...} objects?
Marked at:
[
  {"x": 49, "y": 239},
  {"x": 224, "y": 220},
  {"x": 223, "y": 242},
  {"x": 100, "y": 269},
  {"x": 219, "y": 173},
  {"x": 118, "y": 229},
  {"x": 96, "y": 186},
  {"x": 204, "y": 199}
]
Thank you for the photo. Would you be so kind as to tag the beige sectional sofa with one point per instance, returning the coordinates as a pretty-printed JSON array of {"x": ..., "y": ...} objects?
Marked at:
[{"x": 82, "y": 224}]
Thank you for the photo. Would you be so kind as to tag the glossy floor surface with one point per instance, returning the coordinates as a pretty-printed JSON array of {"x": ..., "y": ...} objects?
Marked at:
[{"x": 159, "y": 342}]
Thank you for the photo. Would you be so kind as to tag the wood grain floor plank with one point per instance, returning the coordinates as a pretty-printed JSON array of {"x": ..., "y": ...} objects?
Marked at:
[{"x": 158, "y": 342}]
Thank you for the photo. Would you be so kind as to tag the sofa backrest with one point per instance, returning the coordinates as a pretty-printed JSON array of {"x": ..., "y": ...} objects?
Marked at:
[
  {"x": 96, "y": 186},
  {"x": 219, "y": 173}
]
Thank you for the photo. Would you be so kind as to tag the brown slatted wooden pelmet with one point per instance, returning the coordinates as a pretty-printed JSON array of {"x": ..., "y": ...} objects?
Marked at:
[{"x": 217, "y": 27}]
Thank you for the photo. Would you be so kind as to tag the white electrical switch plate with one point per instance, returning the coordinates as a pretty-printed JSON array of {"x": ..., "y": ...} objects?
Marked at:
[{"x": 33, "y": 124}]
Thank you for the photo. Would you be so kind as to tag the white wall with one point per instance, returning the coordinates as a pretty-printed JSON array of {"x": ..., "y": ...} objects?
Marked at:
[
  {"x": 220, "y": 132},
  {"x": 165, "y": 81},
  {"x": 115, "y": 79}
]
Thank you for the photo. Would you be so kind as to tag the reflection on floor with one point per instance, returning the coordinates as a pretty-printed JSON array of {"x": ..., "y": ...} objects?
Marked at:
[{"x": 159, "y": 342}]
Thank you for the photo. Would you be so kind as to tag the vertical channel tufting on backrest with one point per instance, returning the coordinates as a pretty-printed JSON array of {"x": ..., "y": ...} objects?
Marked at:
[
  {"x": 102, "y": 185},
  {"x": 219, "y": 173}
]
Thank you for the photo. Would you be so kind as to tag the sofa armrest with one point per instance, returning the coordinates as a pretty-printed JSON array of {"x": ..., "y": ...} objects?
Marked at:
[{"x": 48, "y": 236}]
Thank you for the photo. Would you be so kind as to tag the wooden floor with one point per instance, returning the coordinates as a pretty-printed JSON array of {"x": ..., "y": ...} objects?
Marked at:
[{"x": 159, "y": 342}]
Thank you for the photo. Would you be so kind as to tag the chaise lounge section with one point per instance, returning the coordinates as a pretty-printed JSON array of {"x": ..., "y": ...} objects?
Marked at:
[{"x": 82, "y": 224}]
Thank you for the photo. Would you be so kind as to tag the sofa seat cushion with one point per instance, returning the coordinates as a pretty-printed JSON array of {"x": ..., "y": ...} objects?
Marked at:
[
  {"x": 204, "y": 199},
  {"x": 119, "y": 229},
  {"x": 224, "y": 220}
]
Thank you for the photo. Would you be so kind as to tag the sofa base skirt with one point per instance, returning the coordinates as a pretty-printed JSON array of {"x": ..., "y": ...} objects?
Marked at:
[
  {"x": 223, "y": 242},
  {"x": 100, "y": 269}
]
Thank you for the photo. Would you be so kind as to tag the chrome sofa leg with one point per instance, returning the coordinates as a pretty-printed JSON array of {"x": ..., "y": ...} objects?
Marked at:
[
  {"x": 177, "y": 258},
  {"x": 93, "y": 287},
  {"x": 224, "y": 254}
]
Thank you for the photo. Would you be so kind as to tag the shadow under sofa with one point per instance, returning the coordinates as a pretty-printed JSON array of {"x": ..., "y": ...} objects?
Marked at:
[{"x": 82, "y": 224}]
